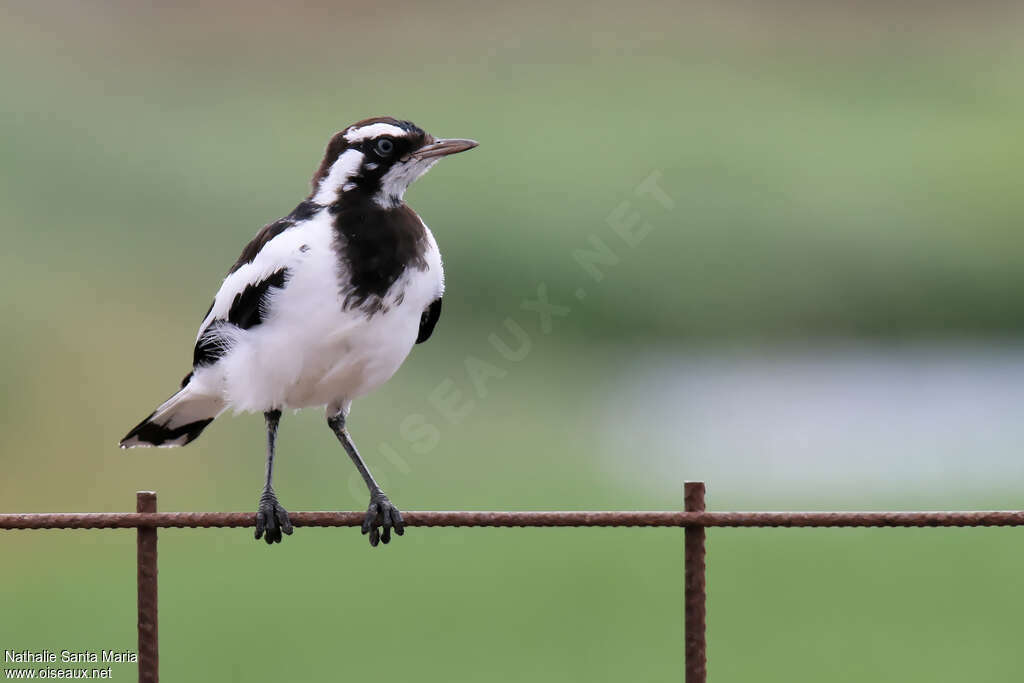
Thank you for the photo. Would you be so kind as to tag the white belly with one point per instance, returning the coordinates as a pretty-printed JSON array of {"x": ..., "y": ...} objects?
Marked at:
[{"x": 308, "y": 351}]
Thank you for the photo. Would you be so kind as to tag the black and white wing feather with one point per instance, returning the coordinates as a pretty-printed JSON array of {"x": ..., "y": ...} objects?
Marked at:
[
  {"x": 241, "y": 302},
  {"x": 428, "y": 320}
]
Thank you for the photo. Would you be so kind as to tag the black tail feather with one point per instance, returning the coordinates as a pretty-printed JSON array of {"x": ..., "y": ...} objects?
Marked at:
[{"x": 149, "y": 433}]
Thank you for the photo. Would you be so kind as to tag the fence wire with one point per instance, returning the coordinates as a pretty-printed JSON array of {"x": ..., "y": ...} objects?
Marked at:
[{"x": 131, "y": 520}]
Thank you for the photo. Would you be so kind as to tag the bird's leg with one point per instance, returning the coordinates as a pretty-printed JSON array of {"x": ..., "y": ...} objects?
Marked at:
[
  {"x": 271, "y": 517},
  {"x": 381, "y": 514}
]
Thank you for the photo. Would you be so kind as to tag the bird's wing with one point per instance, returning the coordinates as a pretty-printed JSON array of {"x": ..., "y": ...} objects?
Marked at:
[
  {"x": 304, "y": 211},
  {"x": 240, "y": 301},
  {"x": 428, "y": 320}
]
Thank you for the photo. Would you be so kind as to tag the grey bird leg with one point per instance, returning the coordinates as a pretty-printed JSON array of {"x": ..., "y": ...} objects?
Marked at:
[
  {"x": 270, "y": 516},
  {"x": 381, "y": 514}
]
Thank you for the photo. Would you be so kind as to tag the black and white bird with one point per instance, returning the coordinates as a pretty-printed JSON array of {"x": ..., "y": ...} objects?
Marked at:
[{"x": 321, "y": 307}]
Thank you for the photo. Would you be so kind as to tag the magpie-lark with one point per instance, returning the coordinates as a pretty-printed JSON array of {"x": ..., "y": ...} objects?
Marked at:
[{"x": 321, "y": 307}]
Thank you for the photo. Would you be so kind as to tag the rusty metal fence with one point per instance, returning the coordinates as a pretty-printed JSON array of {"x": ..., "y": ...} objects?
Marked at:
[{"x": 693, "y": 519}]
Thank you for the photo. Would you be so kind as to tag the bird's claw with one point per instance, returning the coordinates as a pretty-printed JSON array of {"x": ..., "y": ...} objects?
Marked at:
[
  {"x": 381, "y": 517},
  {"x": 272, "y": 519}
]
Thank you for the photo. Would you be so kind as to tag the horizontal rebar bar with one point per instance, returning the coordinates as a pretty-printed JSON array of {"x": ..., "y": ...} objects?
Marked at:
[{"x": 131, "y": 520}]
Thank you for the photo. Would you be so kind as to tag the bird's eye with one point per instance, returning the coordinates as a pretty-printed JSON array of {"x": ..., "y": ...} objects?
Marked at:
[{"x": 385, "y": 147}]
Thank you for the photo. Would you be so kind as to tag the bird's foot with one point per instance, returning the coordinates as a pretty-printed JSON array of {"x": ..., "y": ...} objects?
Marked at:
[
  {"x": 271, "y": 518},
  {"x": 381, "y": 517}
]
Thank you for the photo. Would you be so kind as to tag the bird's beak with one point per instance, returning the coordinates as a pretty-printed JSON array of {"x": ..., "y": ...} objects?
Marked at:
[{"x": 444, "y": 147}]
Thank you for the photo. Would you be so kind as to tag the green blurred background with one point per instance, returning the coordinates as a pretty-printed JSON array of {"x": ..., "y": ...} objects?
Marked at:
[{"x": 827, "y": 317}]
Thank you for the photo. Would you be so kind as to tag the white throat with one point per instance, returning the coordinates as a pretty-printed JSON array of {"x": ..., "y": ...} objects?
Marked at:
[{"x": 397, "y": 180}]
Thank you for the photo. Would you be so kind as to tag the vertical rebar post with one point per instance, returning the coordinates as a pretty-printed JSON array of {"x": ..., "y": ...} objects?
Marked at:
[
  {"x": 149, "y": 653},
  {"x": 695, "y": 588}
]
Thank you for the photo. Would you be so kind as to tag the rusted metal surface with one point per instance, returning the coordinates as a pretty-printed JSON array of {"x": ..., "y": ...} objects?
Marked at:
[
  {"x": 129, "y": 520},
  {"x": 695, "y": 594},
  {"x": 694, "y": 519},
  {"x": 149, "y": 653}
]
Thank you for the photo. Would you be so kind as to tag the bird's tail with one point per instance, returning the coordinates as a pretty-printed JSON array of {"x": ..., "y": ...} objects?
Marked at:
[{"x": 178, "y": 421}]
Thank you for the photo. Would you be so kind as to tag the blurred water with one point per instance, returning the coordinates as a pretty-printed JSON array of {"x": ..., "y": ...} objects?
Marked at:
[{"x": 856, "y": 426}]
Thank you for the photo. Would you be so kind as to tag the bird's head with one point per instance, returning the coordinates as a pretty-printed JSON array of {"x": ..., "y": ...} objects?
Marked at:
[{"x": 378, "y": 159}]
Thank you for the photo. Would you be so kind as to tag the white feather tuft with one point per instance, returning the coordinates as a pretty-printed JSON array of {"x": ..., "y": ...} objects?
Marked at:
[{"x": 342, "y": 171}]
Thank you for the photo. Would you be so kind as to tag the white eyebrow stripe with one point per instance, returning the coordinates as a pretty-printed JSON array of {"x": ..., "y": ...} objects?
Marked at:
[{"x": 372, "y": 131}]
